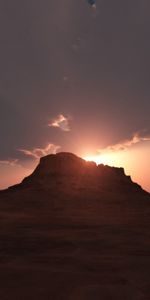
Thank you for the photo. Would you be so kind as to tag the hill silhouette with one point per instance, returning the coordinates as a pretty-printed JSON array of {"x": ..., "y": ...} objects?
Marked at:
[
  {"x": 75, "y": 230},
  {"x": 71, "y": 171}
]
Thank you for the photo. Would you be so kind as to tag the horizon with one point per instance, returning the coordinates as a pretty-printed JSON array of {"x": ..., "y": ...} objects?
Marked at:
[{"x": 88, "y": 159}]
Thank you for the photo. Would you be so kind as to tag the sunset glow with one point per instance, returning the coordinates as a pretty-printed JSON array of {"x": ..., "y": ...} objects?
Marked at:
[
  {"x": 105, "y": 159},
  {"x": 73, "y": 87},
  {"x": 134, "y": 161},
  {"x": 75, "y": 149}
]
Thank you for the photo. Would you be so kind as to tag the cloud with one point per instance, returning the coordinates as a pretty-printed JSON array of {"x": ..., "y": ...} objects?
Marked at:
[
  {"x": 39, "y": 152},
  {"x": 10, "y": 162},
  {"x": 136, "y": 138},
  {"x": 61, "y": 122}
]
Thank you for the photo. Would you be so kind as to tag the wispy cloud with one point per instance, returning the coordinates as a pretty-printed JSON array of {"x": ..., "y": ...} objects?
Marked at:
[
  {"x": 123, "y": 145},
  {"x": 10, "y": 162},
  {"x": 39, "y": 152},
  {"x": 61, "y": 122}
]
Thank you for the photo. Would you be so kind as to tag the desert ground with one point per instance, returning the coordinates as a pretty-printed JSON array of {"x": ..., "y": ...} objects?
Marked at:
[{"x": 74, "y": 242}]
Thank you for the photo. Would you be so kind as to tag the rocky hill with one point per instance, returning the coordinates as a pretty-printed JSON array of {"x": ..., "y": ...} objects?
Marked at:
[
  {"x": 73, "y": 230},
  {"x": 71, "y": 172}
]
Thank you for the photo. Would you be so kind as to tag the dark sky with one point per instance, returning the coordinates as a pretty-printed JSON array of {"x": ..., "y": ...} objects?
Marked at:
[{"x": 64, "y": 58}]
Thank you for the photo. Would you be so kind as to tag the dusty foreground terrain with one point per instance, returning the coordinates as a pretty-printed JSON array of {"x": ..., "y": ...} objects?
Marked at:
[{"x": 70, "y": 239}]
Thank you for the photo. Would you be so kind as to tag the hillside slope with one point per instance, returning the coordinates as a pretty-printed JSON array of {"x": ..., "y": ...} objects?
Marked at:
[{"x": 74, "y": 230}]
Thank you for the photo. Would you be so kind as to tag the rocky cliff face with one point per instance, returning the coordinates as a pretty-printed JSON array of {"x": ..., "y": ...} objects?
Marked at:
[{"x": 69, "y": 171}]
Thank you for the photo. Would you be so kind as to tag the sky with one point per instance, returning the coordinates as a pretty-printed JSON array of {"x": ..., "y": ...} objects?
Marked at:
[{"x": 74, "y": 78}]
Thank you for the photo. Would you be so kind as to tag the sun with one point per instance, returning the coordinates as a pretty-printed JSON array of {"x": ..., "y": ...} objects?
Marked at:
[
  {"x": 96, "y": 158},
  {"x": 100, "y": 159},
  {"x": 108, "y": 158}
]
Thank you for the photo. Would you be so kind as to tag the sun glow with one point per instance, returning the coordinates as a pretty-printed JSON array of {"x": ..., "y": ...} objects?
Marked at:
[
  {"x": 97, "y": 159},
  {"x": 110, "y": 159},
  {"x": 134, "y": 161}
]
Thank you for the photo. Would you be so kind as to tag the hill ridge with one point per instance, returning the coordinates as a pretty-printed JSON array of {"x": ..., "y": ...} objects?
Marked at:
[{"x": 65, "y": 168}]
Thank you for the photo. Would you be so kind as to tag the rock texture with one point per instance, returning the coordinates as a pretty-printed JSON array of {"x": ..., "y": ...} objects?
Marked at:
[{"x": 75, "y": 231}]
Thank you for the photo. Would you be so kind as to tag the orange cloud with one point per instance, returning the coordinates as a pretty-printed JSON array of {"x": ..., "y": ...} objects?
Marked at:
[
  {"x": 10, "y": 162},
  {"x": 39, "y": 152},
  {"x": 61, "y": 122},
  {"x": 136, "y": 138}
]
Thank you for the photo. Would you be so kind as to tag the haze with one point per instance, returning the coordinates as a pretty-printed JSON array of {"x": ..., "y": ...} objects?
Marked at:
[{"x": 73, "y": 79}]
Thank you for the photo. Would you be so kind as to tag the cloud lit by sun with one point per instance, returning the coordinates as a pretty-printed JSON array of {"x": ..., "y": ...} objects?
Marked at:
[
  {"x": 114, "y": 155},
  {"x": 61, "y": 122}
]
